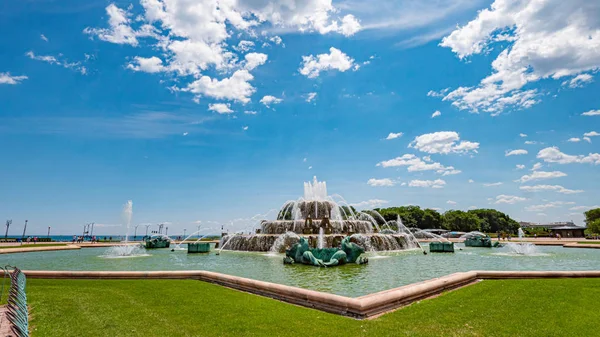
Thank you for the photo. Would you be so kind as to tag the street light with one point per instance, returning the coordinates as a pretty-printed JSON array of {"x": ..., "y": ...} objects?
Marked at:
[
  {"x": 135, "y": 232},
  {"x": 25, "y": 228},
  {"x": 167, "y": 231},
  {"x": 184, "y": 233},
  {"x": 147, "y": 226},
  {"x": 8, "y": 223},
  {"x": 48, "y": 231},
  {"x": 198, "y": 232}
]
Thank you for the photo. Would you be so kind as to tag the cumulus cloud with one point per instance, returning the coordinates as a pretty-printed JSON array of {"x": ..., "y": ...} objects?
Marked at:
[
  {"x": 591, "y": 113},
  {"x": 7, "y": 78},
  {"x": 555, "y": 188},
  {"x": 583, "y": 208},
  {"x": 436, "y": 114},
  {"x": 451, "y": 202},
  {"x": 443, "y": 142},
  {"x": 381, "y": 182},
  {"x": 554, "y": 155},
  {"x": 312, "y": 66},
  {"x": 438, "y": 183},
  {"x": 269, "y": 100},
  {"x": 149, "y": 65},
  {"x": 416, "y": 164},
  {"x": 591, "y": 134},
  {"x": 221, "y": 108},
  {"x": 574, "y": 140},
  {"x": 522, "y": 135},
  {"x": 540, "y": 45},
  {"x": 236, "y": 88},
  {"x": 520, "y": 167},
  {"x": 492, "y": 184},
  {"x": 76, "y": 66},
  {"x": 515, "y": 152},
  {"x": 190, "y": 37},
  {"x": 508, "y": 199},
  {"x": 254, "y": 60},
  {"x": 393, "y": 135},
  {"x": 536, "y": 166},
  {"x": 540, "y": 175},
  {"x": 372, "y": 203},
  {"x": 248, "y": 112}
]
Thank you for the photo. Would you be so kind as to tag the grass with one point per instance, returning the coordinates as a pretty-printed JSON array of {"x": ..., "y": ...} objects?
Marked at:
[
  {"x": 30, "y": 245},
  {"x": 554, "y": 307},
  {"x": 589, "y": 242}
]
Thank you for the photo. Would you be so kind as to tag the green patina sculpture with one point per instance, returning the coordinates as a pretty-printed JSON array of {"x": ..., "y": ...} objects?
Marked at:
[
  {"x": 157, "y": 242},
  {"x": 478, "y": 241},
  {"x": 325, "y": 257}
]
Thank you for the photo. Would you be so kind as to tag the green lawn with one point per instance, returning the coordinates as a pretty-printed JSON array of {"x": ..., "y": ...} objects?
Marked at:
[
  {"x": 589, "y": 242},
  {"x": 556, "y": 307},
  {"x": 29, "y": 245}
]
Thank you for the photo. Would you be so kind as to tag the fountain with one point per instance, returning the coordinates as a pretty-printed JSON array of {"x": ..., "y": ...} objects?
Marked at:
[
  {"x": 478, "y": 239},
  {"x": 528, "y": 249},
  {"x": 324, "y": 221},
  {"x": 126, "y": 250},
  {"x": 520, "y": 233}
]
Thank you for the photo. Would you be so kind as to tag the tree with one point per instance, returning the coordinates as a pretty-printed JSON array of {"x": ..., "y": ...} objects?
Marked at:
[
  {"x": 593, "y": 227},
  {"x": 455, "y": 220},
  {"x": 592, "y": 215},
  {"x": 495, "y": 221},
  {"x": 431, "y": 219}
]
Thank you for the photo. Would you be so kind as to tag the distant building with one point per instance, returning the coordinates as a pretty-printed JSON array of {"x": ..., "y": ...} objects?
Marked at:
[{"x": 566, "y": 229}]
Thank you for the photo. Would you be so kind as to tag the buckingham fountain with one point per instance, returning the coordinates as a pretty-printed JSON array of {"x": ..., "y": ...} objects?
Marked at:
[{"x": 320, "y": 221}]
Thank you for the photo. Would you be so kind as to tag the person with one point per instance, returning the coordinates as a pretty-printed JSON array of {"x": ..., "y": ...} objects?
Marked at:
[
  {"x": 535, "y": 236},
  {"x": 34, "y": 240},
  {"x": 74, "y": 238},
  {"x": 93, "y": 239}
]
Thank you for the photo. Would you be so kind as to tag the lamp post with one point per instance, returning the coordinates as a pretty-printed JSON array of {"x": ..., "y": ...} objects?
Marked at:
[
  {"x": 135, "y": 233},
  {"x": 48, "y": 231},
  {"x": 167, "y": 231},
  {"x": 147, "y": 226},
  {"x": 25, "y": 229},
  {"x": 8, "y": 223},
  {"x": 92, "y": 232},
  {"x": 198, "y": 232},
  {"x": 184, "y": 233}
]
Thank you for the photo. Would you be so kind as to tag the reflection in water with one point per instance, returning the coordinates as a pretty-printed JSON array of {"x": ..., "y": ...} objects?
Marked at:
[{"x": 392, "y": 270}]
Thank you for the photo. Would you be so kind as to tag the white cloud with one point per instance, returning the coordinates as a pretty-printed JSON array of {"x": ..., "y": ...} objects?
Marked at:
[
  {"x": 520, "y": 167},
  {"x": 553, "y": 155},
  {"x": 416, "y": 164},
  {"x": 7, "y": 78},
  {"x": 436, "y": 114},
  {"x": 268, "y": 100},
  {"x": 578, "y": 81},
  {"x": 508, "y": 199},
  {"x": 587, "y": 139},
  {"x": 254, "y": 60},
  {"x": 149, "y": 65},
  {"x": 276, "y": 39},
  {"x": 591, "y": 134},
  {"x": 185, "y": 134},
  {"x": 192, "y": 36},
  {"x": 335, "y": 60},
  {"x": 591, "y": 113},
  {"x": 244, "y": 128},
  {"x": 451, "y": 202},
  {"x": 441, "y": 93},
  {"x": 311, "y": 96},
  {"x": 556, "y": 188},
  {"x": 43, "y": 37},
  {"x": 515, "y": 152},
  {"x": 393, "y": 135},
  {"x": 531, "y": 142},
  {"x": 536, "y": 166},
  {"x": 221, "y": 108},
  {"x": 381, "y": 182},
  {"x": 574, "y": 140},
  {"x": 522, "y": 135},
  {"x": 53, "y": 60},
  {"x": 492, "y": 184},
  {"x": 438, "y": 183},
  {"x": 539, "y": 175},
  {"x": 471, "y": 181},
  {"x": 443, "y": 142},
  {"x": 544, "y": 45},
  {"x": 247, "y": 112},
  {"x": 542, "y": 207},
  {"x": 583, "y": 208},
  {"x": 244, "y": 46},
  {"x": 372, "y": 203},
  {"x": 236, "y": 87}
]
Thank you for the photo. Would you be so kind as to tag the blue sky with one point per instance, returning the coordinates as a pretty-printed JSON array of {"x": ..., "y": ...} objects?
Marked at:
[{"x": 162, "y": 103}]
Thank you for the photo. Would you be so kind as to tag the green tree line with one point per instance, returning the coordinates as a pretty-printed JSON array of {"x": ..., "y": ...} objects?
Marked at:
[
  {"x": 485, "y": 220},
  {"x": 592, "y": 220}
]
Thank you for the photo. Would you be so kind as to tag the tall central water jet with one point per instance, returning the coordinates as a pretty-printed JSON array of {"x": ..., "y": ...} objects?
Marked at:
[{"x": 126, "y": 250}]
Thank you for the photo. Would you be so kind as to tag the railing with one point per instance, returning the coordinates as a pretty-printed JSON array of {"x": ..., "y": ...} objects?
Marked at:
[{"x": 17, "y": 311}]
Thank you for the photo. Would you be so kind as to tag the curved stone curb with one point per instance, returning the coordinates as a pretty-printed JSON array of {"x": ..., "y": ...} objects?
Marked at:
[{"x": 41, "y": 248}]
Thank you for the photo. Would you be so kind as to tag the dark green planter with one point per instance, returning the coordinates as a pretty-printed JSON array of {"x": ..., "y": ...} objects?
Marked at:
[
  {"x": 199, "y": 247},
  {"x": 441, "y": 247}
]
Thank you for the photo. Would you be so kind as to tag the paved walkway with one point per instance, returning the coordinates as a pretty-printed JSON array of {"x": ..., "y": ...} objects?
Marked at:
[{"x": 4, "y": 323}]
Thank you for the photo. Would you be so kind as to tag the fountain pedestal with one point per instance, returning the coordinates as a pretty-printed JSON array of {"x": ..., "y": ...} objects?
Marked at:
[{"x": 198, "y": 247}]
